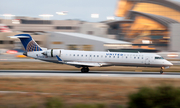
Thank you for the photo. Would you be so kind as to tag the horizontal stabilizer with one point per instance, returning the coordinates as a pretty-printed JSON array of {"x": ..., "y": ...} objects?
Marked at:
[{"x": 18, "y": 36}]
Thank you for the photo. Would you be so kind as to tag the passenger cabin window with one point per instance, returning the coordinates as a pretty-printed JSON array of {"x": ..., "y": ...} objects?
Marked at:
[
  {"x": 159, "y": 58},
  {"x": 97, "y": 55}
]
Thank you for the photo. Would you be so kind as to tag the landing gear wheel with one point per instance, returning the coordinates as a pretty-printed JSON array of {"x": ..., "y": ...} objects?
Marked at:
[
  {"x": 161, "y": 72},
  {"x": 85, "y": 70}
]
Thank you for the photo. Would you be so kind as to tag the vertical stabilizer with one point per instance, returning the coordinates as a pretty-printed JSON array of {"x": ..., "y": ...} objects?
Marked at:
[{"x": 28, "y": 43}]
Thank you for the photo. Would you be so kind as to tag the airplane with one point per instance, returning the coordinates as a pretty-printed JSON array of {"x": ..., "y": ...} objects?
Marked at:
[{"x": 86, "y": 59}]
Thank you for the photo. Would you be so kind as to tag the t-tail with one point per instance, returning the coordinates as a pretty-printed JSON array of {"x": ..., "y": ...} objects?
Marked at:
[{"x": 28, "y": 43}]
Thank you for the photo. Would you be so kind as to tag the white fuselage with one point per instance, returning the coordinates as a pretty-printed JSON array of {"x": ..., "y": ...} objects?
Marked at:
[{"x": 104, "y": 58}]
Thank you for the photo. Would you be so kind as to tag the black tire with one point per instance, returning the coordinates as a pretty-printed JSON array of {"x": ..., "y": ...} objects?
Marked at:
[
  {"x": 85, "y": 70},
  {"x": 82, "y": 70},
  {"x": 161, "y": 72}
]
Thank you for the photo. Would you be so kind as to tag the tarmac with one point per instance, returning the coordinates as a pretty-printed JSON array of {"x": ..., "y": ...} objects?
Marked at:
[{"x": 53, "y": 73}]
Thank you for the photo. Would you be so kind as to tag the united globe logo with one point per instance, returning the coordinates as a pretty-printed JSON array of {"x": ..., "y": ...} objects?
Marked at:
[{"x": 32, "y": 46}]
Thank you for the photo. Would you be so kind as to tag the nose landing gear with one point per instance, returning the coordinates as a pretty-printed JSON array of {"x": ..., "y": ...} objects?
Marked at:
[
  {"x": 161, "y": 71},
  {"x": 85, "y": 70}
]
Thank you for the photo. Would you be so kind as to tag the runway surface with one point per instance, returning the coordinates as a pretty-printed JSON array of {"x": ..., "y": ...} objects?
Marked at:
[{"x": 52, "y": 73}]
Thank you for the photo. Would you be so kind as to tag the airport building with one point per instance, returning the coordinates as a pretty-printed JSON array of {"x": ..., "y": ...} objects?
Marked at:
[
  {"x": 65, "y": 40},
  {"x": 42, "y": 33},
  {"x": 79, "y": 41},
  {"x": 148, "y": 23},
  {"x": 29, "y": 24}
]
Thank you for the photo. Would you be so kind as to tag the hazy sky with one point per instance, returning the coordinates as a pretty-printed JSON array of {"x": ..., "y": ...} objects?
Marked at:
[{"x": 78, "y": 9}]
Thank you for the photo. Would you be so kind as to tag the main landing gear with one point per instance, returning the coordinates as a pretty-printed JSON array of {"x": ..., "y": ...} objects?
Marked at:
[
  {"x": 85, "y": 70},
  {"x": 161, "y": 71}
]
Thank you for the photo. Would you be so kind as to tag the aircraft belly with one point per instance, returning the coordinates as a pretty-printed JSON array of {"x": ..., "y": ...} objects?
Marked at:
[{"x": 135, "y": 64}]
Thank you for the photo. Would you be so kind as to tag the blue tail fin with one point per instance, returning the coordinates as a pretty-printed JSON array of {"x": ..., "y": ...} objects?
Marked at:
[{"x": 28, "y": 43}]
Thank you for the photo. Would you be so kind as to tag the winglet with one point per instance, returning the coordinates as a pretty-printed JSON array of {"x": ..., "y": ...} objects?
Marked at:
[{"x": 58, "y": 58}]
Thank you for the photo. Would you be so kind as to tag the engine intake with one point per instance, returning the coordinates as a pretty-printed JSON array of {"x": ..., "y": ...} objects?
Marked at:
[{"x": 52, "y": 53}]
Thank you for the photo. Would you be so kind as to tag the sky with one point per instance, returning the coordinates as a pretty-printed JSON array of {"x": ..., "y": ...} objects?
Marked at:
[{"x": 77, "y": 9}]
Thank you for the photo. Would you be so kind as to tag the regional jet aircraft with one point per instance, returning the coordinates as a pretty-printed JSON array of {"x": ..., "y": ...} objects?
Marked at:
[{"x": 86, "y": 59}]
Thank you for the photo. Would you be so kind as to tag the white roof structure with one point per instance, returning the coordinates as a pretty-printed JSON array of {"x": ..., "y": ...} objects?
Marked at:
[{"x": 96, "y": 38}]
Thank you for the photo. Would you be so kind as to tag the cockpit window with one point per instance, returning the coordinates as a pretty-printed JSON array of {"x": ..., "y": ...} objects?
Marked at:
[{"x": 159, "y": 58}]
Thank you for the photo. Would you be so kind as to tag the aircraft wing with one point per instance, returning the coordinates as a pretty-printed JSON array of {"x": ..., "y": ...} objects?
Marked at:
[
  {"x": 83, "y": 64},
  {"x": 90, "y": 64}
]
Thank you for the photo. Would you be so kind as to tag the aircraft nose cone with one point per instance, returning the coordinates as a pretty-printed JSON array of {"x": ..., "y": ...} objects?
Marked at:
[{"x": 170, "y": 64}]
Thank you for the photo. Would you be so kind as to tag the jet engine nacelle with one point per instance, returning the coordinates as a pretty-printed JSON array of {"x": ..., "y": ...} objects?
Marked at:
[{"x": 52, "y": 52}]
